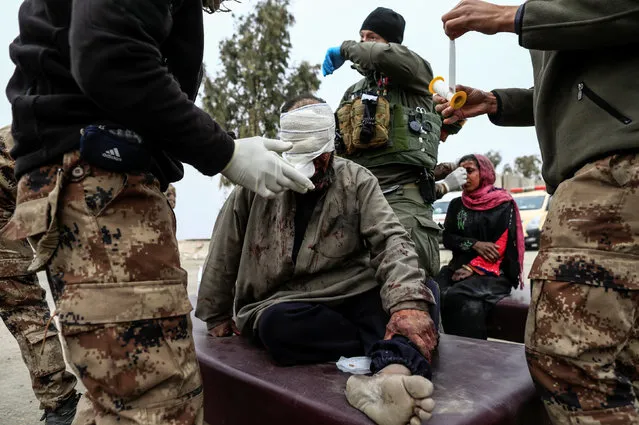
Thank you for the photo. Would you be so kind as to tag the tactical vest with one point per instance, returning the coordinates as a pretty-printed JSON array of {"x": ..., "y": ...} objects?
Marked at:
[{"x": 402, "y": 135}]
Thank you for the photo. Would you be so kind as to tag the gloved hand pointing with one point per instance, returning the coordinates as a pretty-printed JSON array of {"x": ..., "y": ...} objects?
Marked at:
[
  {"x": 332, "y": 61},
  {"x": 256, "y": 166},
  {"x": 456, "y": 179}
]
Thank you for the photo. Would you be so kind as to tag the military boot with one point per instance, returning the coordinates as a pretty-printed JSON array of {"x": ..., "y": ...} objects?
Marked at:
[{"x": 64, "y": 414}]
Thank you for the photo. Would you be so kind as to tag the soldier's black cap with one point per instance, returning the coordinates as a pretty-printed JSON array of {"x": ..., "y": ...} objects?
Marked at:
[{"x": 387, "y": 23}]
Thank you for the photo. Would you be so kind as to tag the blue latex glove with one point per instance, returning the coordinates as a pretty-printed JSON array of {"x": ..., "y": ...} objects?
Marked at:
[{"x": 332, "y": 61}]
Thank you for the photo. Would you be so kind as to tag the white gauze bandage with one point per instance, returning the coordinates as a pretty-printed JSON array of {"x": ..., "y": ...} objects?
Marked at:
[{"x": 311, "y": 130}]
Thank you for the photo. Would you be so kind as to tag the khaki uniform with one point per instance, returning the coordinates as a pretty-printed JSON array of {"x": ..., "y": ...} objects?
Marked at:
[
  {"x": 171, "y": 195},
  {"x": 353, "y": 243},
  {"x": 582, "y": 331},
  {"x": 107, "y": 241},
  {"x": 23, "y": 306},
  {"x": 582, "y": 336}
]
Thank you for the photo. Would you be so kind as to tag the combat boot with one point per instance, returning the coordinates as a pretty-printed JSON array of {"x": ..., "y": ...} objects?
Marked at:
[{"x": 64, "y": 414}]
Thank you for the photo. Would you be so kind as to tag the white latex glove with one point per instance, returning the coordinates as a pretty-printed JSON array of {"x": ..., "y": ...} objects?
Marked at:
[
  {"x": 456, "y": 179},
  {"x": 256, "y": 166}
]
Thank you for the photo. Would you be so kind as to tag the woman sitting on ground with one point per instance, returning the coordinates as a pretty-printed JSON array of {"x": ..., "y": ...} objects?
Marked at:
[{"x": 483, "y": 230}]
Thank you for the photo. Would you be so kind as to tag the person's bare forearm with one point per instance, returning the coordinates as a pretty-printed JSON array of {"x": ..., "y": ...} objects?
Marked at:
[{"x": 480, "y": 16}]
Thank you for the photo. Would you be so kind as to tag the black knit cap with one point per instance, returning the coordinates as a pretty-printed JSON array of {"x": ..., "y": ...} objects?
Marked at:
[{"x": 387, "y": 23}]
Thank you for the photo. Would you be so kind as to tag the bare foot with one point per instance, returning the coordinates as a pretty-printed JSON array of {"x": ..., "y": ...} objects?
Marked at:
[{"x": 391, "y": 399}]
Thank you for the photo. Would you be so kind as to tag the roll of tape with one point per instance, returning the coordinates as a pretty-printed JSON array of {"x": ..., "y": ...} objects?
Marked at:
[{"x": 439, "y": 86}]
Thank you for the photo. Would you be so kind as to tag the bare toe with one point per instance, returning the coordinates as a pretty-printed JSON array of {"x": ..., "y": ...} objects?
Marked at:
[
  {"x": 418, "y": 386},
  {"x": 427, "y": 404},
  {"x": 422, "y": 414}
]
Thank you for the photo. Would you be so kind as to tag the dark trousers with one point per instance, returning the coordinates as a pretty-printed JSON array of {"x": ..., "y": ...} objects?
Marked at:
[
  {"x": 302, "y": 333},
  {"x": 466, "y": 304}
]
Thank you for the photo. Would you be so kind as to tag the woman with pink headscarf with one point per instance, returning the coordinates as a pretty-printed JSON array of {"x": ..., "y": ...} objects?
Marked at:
[{"x": 483, "y": 231}]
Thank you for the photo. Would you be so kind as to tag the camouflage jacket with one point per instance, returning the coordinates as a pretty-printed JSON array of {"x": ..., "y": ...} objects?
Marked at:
[
  {"x": 15, "y": 257},
  {"x": 353, "y": 243}
]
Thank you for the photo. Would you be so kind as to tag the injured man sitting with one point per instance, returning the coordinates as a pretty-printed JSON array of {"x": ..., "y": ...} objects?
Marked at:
[{"x": 326, "y": 274}]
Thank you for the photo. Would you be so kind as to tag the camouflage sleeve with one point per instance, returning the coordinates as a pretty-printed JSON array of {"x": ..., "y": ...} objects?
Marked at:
[
  {"x": 393, "y": 60},
  {"x": 215, "y": 296},
  {"x": 15, "y": 256},
  {"x": 393, "y": 254},
  {"x": 8, "y": 185}
]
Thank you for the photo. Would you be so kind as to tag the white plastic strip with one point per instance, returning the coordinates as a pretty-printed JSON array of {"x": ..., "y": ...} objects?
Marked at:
[{"x": 451, "y": 66}]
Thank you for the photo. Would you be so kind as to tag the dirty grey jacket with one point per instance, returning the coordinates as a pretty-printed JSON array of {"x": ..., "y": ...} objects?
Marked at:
[
  {"x": 15, "y": 256},
  {"x": 353, "y": 243},
  {"x": 585, "y": 101}
]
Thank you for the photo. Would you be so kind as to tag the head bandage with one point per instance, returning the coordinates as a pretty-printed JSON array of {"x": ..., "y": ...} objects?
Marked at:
[{"x": 311, "y": 130}]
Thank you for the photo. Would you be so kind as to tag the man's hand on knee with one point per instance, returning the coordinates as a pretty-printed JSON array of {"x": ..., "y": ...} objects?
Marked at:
[
  {"x": 226, "y": 328},
  {"x": 417, "y": 326}
]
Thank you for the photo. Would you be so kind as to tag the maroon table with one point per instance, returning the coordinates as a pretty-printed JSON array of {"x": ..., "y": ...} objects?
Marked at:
[
  {"x": 476, "y": 383},
  {"x": 507, "y": 320}
]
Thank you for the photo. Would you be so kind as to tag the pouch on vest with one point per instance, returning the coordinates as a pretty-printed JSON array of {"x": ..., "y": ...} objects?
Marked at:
[
  {"x": 412, "y": 133},
  {"x": 344, "y": 133},
  {"x": 114, "y": 149},
  {"x": 364, "y": 123},
  {"x": 370, "y": 120}
]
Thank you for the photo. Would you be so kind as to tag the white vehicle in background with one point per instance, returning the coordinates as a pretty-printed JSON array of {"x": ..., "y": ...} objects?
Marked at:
[
  {"x": 533, "y": 203},
  {"x": 440, "y": 207}
]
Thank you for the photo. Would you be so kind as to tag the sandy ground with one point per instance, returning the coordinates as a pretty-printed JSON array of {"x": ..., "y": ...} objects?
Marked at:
[{"x": 18, "y": 406}]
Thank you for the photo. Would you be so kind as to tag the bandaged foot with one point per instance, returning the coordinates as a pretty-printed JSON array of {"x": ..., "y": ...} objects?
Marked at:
[{"x": 391, "y": 399}]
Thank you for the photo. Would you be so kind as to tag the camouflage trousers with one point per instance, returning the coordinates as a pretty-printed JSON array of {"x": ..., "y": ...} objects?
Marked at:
[
  {"x": 582, "y": 333},
  {"x": 25, "y": 312},
  {"x": 107, "y": 241},
  {"x": 417, "y": 219}
]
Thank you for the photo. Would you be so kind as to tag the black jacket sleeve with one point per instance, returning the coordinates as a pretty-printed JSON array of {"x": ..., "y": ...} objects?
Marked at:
[
  {"x": 116, "y": 61},
  {"x": 514, "y": 108},
  {"x": 578, "y": 24}
]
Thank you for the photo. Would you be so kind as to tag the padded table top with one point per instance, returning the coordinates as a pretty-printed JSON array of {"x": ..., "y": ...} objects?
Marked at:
[
  {"x": 476, "y": 382},
  {"x": 507, "y": 320}
]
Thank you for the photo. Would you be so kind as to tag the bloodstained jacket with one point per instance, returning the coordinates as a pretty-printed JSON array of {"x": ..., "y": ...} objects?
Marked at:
[{"x": 353, "y": 243}]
